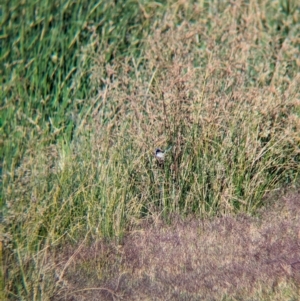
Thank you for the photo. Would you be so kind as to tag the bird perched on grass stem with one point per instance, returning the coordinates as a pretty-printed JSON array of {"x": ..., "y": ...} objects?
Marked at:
[{"x": 160, "y": 155}]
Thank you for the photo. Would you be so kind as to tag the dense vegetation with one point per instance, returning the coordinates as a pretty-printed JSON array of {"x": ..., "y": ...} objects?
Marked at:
[{"x": 89, "y": 90}]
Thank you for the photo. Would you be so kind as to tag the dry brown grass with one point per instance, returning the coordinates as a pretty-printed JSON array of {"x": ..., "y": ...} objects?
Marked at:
[{"x": 242, "y": 258}]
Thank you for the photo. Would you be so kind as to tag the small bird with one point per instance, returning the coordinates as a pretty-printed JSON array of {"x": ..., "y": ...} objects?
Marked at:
[{"x": 159, "y": 154}]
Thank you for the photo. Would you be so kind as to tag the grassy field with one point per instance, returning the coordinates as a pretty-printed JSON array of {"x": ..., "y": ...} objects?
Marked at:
[{"x": 90, "y": 90}]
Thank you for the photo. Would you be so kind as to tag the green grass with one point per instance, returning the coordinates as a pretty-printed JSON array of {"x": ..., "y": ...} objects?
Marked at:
[
  {"x": 44, "y": 69},
  {"x": 90, "y": 90}
]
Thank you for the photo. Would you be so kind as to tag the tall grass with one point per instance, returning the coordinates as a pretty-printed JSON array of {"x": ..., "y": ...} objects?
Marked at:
[
  {"x": 233, "y": 139},
  {"x": 44, "y": 72},
  {"x": 90, "y": 92}
]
